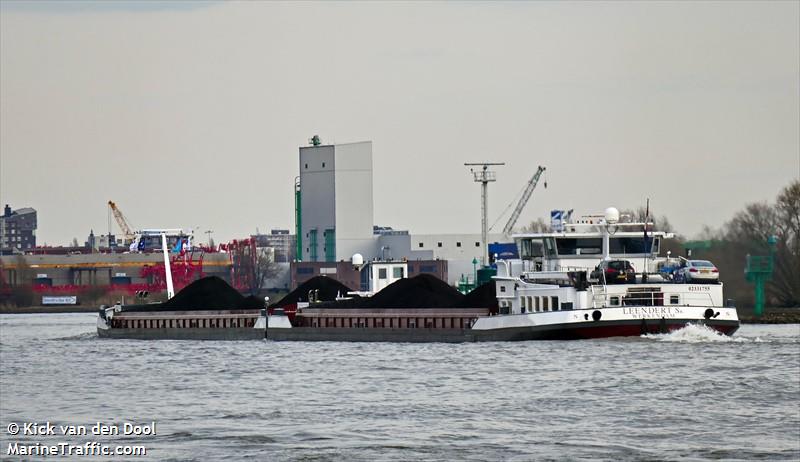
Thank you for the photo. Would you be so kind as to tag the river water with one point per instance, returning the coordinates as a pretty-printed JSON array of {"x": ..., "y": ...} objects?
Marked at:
[{"x": 688, "y": 395}]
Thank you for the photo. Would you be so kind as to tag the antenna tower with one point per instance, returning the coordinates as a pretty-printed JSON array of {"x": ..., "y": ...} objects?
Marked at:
[{"x": 483, "y": 176}]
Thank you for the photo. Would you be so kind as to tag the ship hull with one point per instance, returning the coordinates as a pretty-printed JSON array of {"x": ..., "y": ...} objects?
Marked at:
[
  {"x": 601, "y": 329},
  {"x": 151, "y": 325},
  {"x": 561, "y": 325},
  {"x": 231, "y": 333}
]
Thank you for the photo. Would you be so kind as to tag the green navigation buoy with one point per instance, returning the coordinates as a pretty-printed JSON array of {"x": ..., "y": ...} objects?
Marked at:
[{"x": 758, "y": 270}]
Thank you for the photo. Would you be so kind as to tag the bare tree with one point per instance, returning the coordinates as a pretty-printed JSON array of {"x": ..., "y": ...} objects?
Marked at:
[
  {"x": 753, "y": 225},
  {"x": 788, "y": 206},
  {"x": 641, "y": 214},
  {"x": 22, "y": 290},
  {"x": 536, "y": 226},
  {"x": 252, "y": 266},
  {"x": 786, "y": 276},
  {"x": 264, "y": 268},
  {"x": 748, "y": 233}
]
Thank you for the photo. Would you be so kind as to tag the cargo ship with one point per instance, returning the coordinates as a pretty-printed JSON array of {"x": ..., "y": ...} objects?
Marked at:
[{"x": 578, "y": 282}]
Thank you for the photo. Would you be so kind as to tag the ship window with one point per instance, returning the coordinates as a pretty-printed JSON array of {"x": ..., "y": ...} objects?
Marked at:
[
  {"x": 579, "y": 246},
  {"x": 622, "y": 245},
  {"x": 420, "y": 244},
  {"x": 458, "y": 244},
  {"x": 477, "y": 244},
  {"x": 550, "y": 247},
  {"x": 382, "y": 273},
  {"x": 545, "y": 304},
  {"x": 323, "y": 165},
  {"x": 613, "y": 301},
  {"x": 674, "y": 299},
  {"x": 438, "y": 244},
  {"x": 504, "y": 309},
  {"x": 530, "y": 248},
  {"x": 566, "y": 305},
  {"x": 398, "y": 273},
  {"x": 306, "y": 166},
  {"x": 530, "y": 304},
  {"x": 554, "y": 303},
  {"x": 502, "y": 288},
  {"x": 536, "y": 304}
]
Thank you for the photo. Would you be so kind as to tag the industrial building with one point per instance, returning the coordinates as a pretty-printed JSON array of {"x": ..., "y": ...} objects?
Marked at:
[
  {"x": 17, "y": 229},
  {"x": 335, "y": 202},
  {"x": 461, "y": 251},
  {"x": 281, "y": 241},
  {"x": 334, "y": 221},
  {"x": 351, "y": 276},
  {"x": 77, "y": 274}
]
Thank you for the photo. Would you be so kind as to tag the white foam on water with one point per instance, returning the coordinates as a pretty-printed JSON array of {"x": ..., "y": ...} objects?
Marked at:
[{"x": 697, "y": 333}]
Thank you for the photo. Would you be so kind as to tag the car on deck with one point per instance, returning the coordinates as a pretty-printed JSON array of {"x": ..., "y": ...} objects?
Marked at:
[
  {"x": 697, "y": 271},
  {"x": 615, "y": 272}
]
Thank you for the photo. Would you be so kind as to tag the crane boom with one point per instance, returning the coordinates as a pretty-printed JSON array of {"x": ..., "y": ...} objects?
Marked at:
[
  {"x": 121, "y": 221},
  {"x": 523, "y": 200}
]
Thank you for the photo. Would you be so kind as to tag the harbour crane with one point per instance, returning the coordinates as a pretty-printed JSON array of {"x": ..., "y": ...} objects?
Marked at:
[
  {"x": 524, "y": 200},
  {"x": 124, "y": 226}
]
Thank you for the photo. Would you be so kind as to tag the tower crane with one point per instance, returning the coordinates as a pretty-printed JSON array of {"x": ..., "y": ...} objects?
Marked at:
[
  {"x": 124, "y": 226},
  {"x": 524, "y": 200}
]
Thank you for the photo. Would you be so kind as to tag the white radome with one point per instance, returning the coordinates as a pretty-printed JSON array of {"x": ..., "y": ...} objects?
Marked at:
[
  {"x": 357, "y": 259},
  {"x": 611, "y": 215}
]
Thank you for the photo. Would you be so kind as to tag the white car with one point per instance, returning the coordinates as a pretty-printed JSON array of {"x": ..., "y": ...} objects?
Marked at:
[{"x": 697, "y": 271}]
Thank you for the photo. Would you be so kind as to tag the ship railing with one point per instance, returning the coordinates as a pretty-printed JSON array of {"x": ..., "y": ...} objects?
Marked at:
[
  {"x": 697, "y": 299},
  {"x": 567, "y": 268},
  {"x": 599, "y": 296},
  {"x": 602, "y": 299}
]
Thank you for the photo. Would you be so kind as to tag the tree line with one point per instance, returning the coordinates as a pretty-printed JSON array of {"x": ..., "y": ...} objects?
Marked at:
[{"x": 747, "y": 233}]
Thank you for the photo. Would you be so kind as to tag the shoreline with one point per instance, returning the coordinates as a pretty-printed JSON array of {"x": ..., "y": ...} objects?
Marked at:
[{"x": 48, "y": 309}]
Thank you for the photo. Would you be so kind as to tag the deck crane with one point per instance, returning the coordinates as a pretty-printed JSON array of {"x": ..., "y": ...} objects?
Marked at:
[
  {"x": 524, "y": 200},
  {"x": 124, "y": 226}
]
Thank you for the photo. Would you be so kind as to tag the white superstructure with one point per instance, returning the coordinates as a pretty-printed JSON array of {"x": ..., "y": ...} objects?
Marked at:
[{"x": 566, "y": 280}]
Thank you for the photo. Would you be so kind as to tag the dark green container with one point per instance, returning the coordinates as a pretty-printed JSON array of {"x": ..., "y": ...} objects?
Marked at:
[{"x": 485, "y": 275}]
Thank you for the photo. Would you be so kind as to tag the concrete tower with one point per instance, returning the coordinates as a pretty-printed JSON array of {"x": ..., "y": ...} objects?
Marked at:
[{"x": 336, "y": 201}]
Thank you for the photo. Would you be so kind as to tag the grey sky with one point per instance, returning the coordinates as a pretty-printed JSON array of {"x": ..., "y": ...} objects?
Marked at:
[{"x": 192, "y": 116}]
